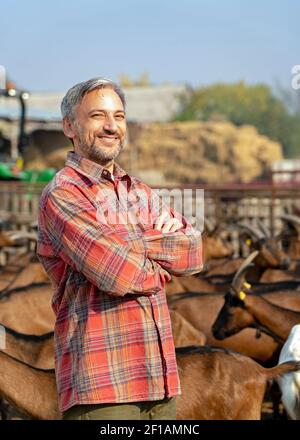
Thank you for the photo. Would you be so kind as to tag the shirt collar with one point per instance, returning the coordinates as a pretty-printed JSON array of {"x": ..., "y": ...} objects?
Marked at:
[{"x": 93, "y": 170}]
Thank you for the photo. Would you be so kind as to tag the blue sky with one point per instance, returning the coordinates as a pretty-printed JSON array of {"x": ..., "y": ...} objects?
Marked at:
[{"x": 51, "y": 45}]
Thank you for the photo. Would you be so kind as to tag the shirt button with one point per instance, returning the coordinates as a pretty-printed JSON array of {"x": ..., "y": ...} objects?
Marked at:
[{"x": 159, "y": 324}]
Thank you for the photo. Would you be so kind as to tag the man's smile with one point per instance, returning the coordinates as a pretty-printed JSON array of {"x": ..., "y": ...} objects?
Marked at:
[{"x": 108, "y": 139}]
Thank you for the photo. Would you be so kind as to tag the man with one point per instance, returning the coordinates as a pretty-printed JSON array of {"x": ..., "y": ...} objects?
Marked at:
[{"x": 109, "y": 249}]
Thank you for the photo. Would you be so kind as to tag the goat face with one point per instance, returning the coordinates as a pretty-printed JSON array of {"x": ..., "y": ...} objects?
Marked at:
[
  {"x": 232, "y": 318},
  {"x": 216, "y": 247},
  {"x": 270, "y": 254}
]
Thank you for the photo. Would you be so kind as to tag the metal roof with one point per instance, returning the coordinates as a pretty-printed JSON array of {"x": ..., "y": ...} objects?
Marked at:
[{"x": 144, "y": 104}]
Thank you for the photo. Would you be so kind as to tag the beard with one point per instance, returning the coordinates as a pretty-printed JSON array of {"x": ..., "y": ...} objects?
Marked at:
[
  {"x": 99, "y": 153},
  {"x": 104, "y": 154}
]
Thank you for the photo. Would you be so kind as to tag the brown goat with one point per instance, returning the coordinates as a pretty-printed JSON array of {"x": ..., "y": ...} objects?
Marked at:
[
  {"x": 270, "y": 255},
  {"x": 216, "y": 385},
  {"x": 201, "y": 311},
  {"x": 292, "y": 222},
  {"x": 254, "y": 311},
  {"x": 243, "y": 309},
  {"x": 32, "y": 391},
  {"x": 293, "y": 272},
  {"x": 36, "y": 351},
  {"x": 16, "y": 267},
  {"x": 31, "y": 274},
  {"x": 28, "y": 309},
  {"x": 215, "y": 247},
  {"x": 185, "y": 333},
  {"x": 230, "y": 386}
]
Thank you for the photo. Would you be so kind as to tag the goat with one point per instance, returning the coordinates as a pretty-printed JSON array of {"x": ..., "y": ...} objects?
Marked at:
[
  {"x": 293, "y": 272},
  {"x": 28, "y": 309},
  {"x": 36, "y": 351},
  {"x": 270, "y": 253},
  {"x": 269, "y": 256},
  {"x": 185, "y": 333},
  {"x": 230, "y": 386},
  {"x": 293, "y": 224},
  {"x": 13, "y": 268},
  {"x": 242, "y": 310},
  {"x": 290, "y": 384},
  {"x": 201, "y": 311},
  {"x": 216, "y": 385},
  {"x": 214, "y": 246},
  {"x": 13, "y": 277},
  {"x": 31, "y": 390}
]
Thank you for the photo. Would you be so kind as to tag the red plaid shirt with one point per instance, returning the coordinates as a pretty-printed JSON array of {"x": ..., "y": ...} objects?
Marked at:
[{"x": 113, "y": 339}]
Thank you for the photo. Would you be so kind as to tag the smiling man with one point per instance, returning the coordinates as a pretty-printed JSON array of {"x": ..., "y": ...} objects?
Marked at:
[
  {"x": 99, "y": 128},
  {"x": 114, "y": 350}
]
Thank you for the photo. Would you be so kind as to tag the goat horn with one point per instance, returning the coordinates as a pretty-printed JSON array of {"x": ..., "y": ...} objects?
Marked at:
[
  {"x": 208, "y": 225},
  {"x": 263, "y": 227},
  {"x": 291, "y": 218},
  {"x": 23, "y": 234},
  {"x": 255, "y": 231},
  {"x": 243, "y": 267}
]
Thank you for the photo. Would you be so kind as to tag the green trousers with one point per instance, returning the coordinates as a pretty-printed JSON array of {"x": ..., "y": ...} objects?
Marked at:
[{"x": 155, "y": 410}]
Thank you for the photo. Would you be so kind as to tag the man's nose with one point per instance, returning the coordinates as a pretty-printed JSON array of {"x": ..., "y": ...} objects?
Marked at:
[{"x": 110, "y": 124}]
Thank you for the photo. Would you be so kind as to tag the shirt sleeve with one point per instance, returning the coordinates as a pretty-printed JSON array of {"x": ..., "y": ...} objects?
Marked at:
[
  {"x": 95, "y": 249},
  {"x": 180, "y": 252}
]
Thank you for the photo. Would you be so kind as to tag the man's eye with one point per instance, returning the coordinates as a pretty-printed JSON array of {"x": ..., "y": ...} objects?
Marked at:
[
  {"x": 97, "y": 115},
  {"x": 120, "y": 117}
]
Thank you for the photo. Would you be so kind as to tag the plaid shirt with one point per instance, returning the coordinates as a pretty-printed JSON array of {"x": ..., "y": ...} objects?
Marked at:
[{"x": 113, "y": 339}]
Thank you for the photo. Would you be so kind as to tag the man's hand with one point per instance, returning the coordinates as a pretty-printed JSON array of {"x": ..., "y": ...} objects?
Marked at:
[{"x": 166, "y": 224}]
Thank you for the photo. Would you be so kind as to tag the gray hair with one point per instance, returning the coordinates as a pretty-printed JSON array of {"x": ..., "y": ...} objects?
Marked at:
[{"x": 74, "y": 95}]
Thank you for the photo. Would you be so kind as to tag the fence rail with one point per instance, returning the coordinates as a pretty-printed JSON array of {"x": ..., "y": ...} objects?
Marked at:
[{"x": 222, "y": 203}]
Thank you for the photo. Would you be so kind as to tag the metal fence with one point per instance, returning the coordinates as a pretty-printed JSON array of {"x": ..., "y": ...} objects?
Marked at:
[
  {"x": 19, "y": 202},
  {"x": 230, "y": 203}
]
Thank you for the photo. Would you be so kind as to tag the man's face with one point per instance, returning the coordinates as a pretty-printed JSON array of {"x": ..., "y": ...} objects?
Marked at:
[{"x": 99, "y": 128}]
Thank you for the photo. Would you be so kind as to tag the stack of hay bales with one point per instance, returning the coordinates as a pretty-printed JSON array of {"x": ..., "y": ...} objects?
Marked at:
[
  {"x": 179, "y": 152},
  {"x": 194, "y": 151}
]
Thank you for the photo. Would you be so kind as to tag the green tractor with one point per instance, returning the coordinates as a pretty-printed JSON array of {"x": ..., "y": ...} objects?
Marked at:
[{"x": 13, "y": 169}]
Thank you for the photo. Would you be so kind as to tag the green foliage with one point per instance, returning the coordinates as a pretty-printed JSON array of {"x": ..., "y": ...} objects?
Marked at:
[{"x": 245, "y": 104}]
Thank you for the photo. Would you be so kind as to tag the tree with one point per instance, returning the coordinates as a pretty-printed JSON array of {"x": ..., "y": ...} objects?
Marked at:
[{"x": 243, "y": 104}]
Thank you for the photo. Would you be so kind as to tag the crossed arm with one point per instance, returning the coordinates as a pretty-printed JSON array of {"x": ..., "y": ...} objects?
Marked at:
[{"x": 107, "y": 260}]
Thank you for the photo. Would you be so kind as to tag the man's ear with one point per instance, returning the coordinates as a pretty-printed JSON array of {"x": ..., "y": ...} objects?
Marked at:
[{"x": 68, "y": 128}]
